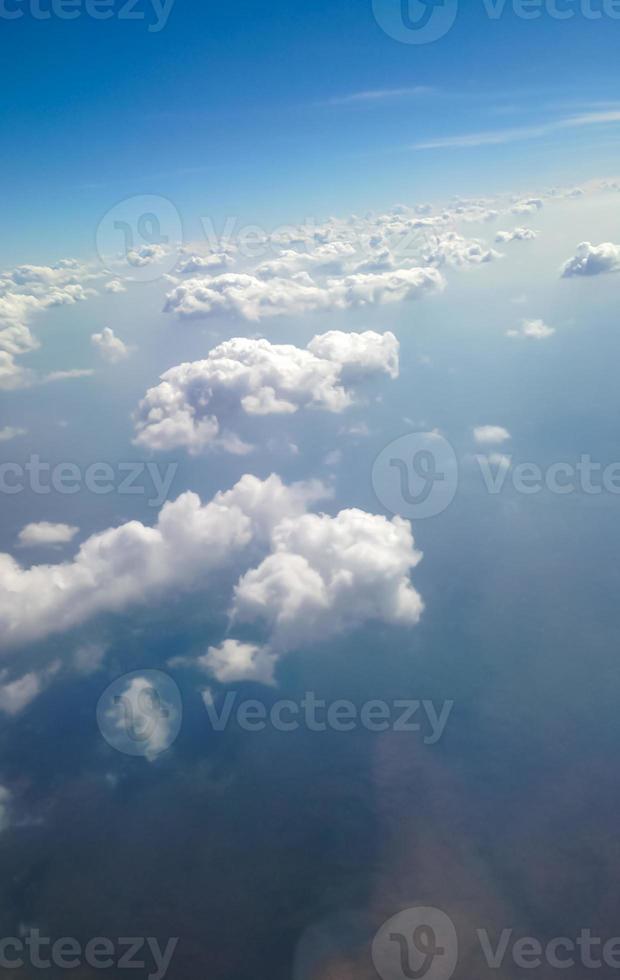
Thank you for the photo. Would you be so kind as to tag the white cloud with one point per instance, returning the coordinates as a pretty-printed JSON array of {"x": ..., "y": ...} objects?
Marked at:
[
  {"x": 453, "y": 249},
  {"x": 330, "y": 574},
  {"x": 110, "y": 347},
  {"x": 11, "y": 432},
  {"x": 233, "y": 661},
  {"x": 516, "y": 235},
  {"x": 115, "y": 286},
  {"x": 517, "y": 133},
  {"x": 196, "y": 403},
  {"x": 43, "y": 534},
  {"x": 593, "y": 260},
  {"x": 253, "y": 298},
  {"x": 380, "y": 95},
  {"x": 131, "y": 564},
  {"x": 491, "y": 434},
  {"x": 70, "y": 375},
  {"x": 316, "y": 577},
  {"x": 132, "y": 700},
  {"x": 528, "y": 206},
  {"x": 29, "y": 290},
  {"x": 215, "y": 262},
  {"x": 13, "y": 375},
  {"x": 532, "y": 329},
  {"x": 17, "y": 694}
]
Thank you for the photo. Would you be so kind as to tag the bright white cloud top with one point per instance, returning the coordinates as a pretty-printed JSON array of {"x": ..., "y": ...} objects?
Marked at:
[
  {"x": 110, "y": 347},
  {"x": 593, "y": 260},
  {"x": 490, "y": 435},
  {"x": 317, "y": 576},
  {"x": 532, "y": 330},
  {"x": 44, "y": 534},
  {"x": 196, "y": 403}
]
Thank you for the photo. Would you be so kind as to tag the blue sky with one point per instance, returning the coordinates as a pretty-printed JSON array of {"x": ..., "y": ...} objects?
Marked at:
[
  {"x": 437, "y": 266},
  {"x": 234, "y": 109}
]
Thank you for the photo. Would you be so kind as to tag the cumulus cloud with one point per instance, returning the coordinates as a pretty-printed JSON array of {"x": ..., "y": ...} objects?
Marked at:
[
  {"x": 516, "y": 235},
  {"x": 330, "y": 574},
  {"x": 308, "y": 576},
  {"x": 196, "y": 403},
  {"x": 43, "y": 534},
  {"x": 453, "y": 249},
  {"x": 10, "y": 432},
  {"x": 133, "y": 563},
  {"x": 13, "y": 375},
  {"x": 491, "y": 434},
  {"x": 115, "y": 286},
  {"x": 161, "y": 735},
  {"x": 215, "y": 262},
  {"x": 533, "y": 330},
  {"x": 252, "y": 298},
  {"x": 24, "y": 292},
  {"x": 529, "y": 206},
  {"x": 233, "y": 661},
  {"x": 593, "y": 260},
  {"x": 110, "y": 347},
  {"x": 16, "y": 694}
]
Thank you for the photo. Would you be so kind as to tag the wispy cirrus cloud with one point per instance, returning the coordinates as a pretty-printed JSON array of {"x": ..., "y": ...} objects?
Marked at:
[
  {"x": 496, "y": 137},
  {"x": 380, "y": 95}
]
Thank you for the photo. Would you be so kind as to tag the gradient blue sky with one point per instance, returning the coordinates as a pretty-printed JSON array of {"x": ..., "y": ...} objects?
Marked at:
[{"x": 232, "y": 109}]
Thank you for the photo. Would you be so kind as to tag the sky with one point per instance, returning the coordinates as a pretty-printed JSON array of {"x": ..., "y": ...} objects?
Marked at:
[
  {"x": 309, "y": 472},
  {"x": 253, "y": 110}
]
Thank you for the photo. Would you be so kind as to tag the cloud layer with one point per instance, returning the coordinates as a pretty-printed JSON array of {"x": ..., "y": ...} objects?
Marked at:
[{"x": 196, "y": 403}]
